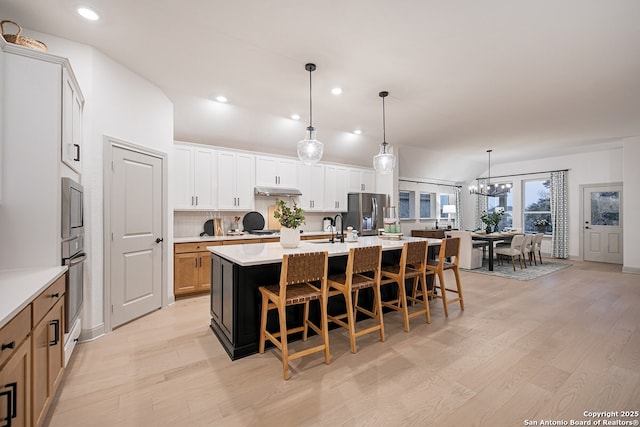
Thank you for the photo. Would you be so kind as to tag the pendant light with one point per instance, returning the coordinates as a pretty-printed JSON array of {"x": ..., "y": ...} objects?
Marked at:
[
  {"x": 310, "y": 149},
  {"x": 384, "y": 162},
  {"x": 491, "y": 190}
]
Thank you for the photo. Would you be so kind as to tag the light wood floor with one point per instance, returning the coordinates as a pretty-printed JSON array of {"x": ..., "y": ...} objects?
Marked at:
[{"x": 550, "y": 348}]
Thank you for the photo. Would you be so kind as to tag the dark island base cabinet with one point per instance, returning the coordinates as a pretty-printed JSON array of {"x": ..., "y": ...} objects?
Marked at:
[{"x": 235, "y": 301}]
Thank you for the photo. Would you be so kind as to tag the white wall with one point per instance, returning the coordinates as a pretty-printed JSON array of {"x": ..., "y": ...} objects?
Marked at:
[
  {"x": 122, "y": 105},
  {"x": 631, "y": 204}
]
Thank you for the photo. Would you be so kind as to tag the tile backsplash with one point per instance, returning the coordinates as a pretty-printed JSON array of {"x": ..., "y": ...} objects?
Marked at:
[{"x": 191, "y": 223}]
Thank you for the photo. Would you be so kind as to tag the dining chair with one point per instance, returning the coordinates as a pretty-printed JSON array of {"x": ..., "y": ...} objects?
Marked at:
[
  {"x": 363, "y": 271},
  {"x": 303, "y": 279},
  {"x": 527, "y": 247},
  {"x": 449, "y": 250},
  {"x": 537, "y": 247},
  {"x": 412, "y": 265},
  {"x": 512, "y": 251}
]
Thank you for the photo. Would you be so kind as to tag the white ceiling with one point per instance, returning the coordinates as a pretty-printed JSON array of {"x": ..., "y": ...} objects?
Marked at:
[{"x": 526, "y": 78}]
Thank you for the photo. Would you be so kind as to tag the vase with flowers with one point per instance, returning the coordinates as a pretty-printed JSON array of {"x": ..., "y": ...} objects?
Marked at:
[
  {"x": 290, "y": 218},
  {"x": 492, "y": 219}
]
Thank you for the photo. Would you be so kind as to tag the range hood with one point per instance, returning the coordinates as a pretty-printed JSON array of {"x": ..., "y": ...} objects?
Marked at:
[{"x": 277, "y": 191}]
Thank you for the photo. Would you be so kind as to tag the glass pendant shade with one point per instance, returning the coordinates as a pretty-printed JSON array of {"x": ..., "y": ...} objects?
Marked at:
[
  {"x": 384, "y": 162},
  {"x": 310, "y": 149}
]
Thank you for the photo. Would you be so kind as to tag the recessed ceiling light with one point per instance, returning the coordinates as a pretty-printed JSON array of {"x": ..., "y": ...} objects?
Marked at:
[
  {"x": 295, "y": 116},
  {"x": 336, "y": 90},
  {"x": 88, "y": 13},
  {"x": 221, "y": 98},
  {"x": 357, "y": 131}
]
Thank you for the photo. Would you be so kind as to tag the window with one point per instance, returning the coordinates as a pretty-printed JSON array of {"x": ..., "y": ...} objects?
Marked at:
[
  {"x": 505, "y": 202},
  {"x": 406, "y": 203},
  {"x": 537, "y": 206},
  {"x": 446, "y": 199},
  {"x": 425, "y": 205}
]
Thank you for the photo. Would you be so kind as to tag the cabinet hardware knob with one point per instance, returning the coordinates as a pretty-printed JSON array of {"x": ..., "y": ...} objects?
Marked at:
[
  {"x": 56, "y": 295},
  {"x": 159, "y": 239}
]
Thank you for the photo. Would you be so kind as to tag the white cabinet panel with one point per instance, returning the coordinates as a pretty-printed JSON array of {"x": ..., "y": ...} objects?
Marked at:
[
  {"x": 276, "y": 172},
  {"x": 72, "y": 104},
  {"x": 361, "y": 181},
  {"x": 195, "y": 178},
  {"x": 336, "y": 178},
  {"x": 311, "y": 180},
  {"x": 236, "y": 177}
]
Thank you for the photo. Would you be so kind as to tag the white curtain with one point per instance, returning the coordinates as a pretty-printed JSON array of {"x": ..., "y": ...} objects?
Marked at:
[
  {"x": 482, "y": 205},
  {"x": 559, "y": 215},
  {"x": 459, "y": 218}
]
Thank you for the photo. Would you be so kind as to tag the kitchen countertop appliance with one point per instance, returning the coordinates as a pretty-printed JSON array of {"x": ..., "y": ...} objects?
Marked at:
[{"x": 365, "y": 212}]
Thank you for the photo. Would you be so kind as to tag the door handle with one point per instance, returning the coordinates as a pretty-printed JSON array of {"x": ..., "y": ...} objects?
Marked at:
[
  {"x": 159, "y": 239},
  {"x": 587, "y": 228},
  {"x": 12, "y": 402},
  {"x": 56, "y": 334},
  {"x": 77, "y": 156}
]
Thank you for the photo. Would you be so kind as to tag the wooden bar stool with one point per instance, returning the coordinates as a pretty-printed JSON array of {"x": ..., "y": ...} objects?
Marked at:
[
  {"x": 449, "y": 248},
  {"x": 303, "y": 278},
  {"x": 360, "y": 260},
  {"x": 413, "y": 262}
]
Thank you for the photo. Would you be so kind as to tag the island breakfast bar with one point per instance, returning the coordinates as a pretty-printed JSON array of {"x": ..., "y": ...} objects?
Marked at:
[{"x": 237, "y": 271}]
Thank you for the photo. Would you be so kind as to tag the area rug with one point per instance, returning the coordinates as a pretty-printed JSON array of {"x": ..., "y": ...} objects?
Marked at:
[{"x": 529, "y": 273}]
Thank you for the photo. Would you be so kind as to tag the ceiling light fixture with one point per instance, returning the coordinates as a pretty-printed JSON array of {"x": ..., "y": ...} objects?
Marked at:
[
  {"x": 491, "y": 190},
  {"x": 88, "y": 13},
  {"x": 295, "y": 116},
  {"x": 221, "y": 99},
  {"x": 357, "y": 132},
  {"x": 336, "y": 90},
  {"x": 310, "y": 149},
  {"x": 384, "y": 162}
]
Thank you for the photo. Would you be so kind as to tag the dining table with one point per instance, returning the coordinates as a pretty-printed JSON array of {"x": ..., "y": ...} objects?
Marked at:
[{"x": 492, "y": 238}]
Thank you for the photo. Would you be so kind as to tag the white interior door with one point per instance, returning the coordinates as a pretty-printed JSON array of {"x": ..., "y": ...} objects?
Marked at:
[
  {"x": 602, "y": 228},
  {"x": 136, "y": 225}
]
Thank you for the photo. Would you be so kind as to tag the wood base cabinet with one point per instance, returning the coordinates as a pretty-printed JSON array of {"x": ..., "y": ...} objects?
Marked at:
[{"x": 192, "y": 268}]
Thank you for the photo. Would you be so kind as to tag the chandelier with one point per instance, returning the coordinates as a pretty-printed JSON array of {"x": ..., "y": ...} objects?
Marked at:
[
  {"x": 491, "y": 190},
  {"x": 384, "y": 162},
  {"x": 310, "y": 149}
]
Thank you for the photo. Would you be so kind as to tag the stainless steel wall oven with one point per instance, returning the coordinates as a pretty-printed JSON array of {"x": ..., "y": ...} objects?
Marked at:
[{"x": 73, "y": 254}]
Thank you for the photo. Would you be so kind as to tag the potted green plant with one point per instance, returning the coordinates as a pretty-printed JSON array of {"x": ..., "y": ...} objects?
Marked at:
[
  {"x": 492, "y": 219},
  {"x": 290, "y": 218}
]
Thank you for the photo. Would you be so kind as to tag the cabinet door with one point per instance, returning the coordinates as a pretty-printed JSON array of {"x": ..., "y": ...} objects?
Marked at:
[
  {"x": 48, "y": 360},
  {"x": 216, "y": 289},
  {"x": 204, "y": 271},
  {"x": 227, "y": 298},
  {"x": 71, "y": 122},
  {"x": 354, "y": 185},
  {"x": 266, "y": 171},
  {"x": 341, "y": 189},
  {"x": 185, "y": 277},
  {"x": 288, "y": 173},
  {"x": 15, "y": 387},
  {"x": 182, "y": 178},
  {"x": 330, "y": 177},
  {"x": 312, "y": 186},
  {"x": 226, "y": 178},
  {"x": 204, "y": 179},
  {"x": 244, "y": 178},
  {"x": 368, "y": 181}
]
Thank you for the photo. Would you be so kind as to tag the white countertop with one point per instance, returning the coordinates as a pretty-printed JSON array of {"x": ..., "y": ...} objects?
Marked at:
[
  {"x": 18, "y": 288},
  {"x": 244, "y": 236},
  {"x": 269, "y": 253}
]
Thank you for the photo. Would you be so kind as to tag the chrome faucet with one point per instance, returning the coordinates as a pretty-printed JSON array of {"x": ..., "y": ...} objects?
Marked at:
[{"x": 335, "y": 224}]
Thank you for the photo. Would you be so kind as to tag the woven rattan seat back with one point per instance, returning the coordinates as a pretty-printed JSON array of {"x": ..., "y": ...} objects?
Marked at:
[
  {"x": 365, "y": 259},
  {"x": 452, "y": 247},
  {"x": 416, "y": 252},
  {"x": 301, "y": 268}
]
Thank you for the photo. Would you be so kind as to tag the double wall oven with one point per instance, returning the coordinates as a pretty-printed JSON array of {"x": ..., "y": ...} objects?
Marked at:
[{"x": 73, "y": 253}]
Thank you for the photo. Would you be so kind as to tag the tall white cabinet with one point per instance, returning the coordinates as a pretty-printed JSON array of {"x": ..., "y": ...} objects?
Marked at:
[
  {"x": 236, "y": 175},
  {"x": 33, "y": 124},
  {"x": 311, "y": 181},
  {"x": 335, "y": 190},
  {"x": 195, "y": 180}
]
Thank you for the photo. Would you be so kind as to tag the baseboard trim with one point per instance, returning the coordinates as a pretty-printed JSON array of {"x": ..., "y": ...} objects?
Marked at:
[
  {"x": 632, "y": 270},
  {"x": 92, "y": 334}
]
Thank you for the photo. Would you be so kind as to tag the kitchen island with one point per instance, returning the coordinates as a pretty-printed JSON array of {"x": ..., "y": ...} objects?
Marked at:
[{"x": 238, "y": 270}]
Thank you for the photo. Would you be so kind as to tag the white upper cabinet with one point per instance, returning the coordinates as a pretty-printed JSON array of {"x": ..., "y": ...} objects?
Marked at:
[
  {"x": 312, "y": 185},
  {"x": 361, "y": 181},
  {"x": 72, "y": 105},
  {"x": 276, "y": 172},
  {"x": 335, "y": 199},
  {"x": 195, "y": 178},
  {"x": 236, "y": 177}
]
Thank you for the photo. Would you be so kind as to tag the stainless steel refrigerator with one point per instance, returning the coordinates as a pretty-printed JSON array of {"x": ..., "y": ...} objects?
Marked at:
[{"x": 365, "y": 212}]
